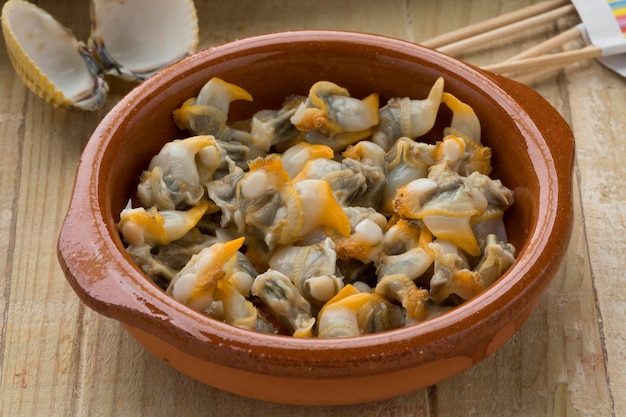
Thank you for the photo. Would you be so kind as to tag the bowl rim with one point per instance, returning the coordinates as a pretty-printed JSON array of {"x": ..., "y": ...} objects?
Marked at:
[{"x": 138, "y": 300}]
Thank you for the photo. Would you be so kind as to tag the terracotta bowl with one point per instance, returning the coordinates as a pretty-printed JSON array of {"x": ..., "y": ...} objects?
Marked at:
[{"x": 532, "y": 154}]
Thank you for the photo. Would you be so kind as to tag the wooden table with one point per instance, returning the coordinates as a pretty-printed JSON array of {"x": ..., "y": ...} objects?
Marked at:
[{"x": 58, "y": 358}]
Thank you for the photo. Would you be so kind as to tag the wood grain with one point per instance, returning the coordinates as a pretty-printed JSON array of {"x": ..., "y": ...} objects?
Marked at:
[
  {"x": 59, "y": 358},
  {"x": 601, "y": 170}
]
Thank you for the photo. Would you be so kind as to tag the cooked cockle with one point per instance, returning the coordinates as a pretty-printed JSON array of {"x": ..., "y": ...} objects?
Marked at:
[
  {"x": 178, "y": 252},
  {"x": 496, "y": 259},
  {"x": 451, "y": 203},
  {"x": 330, "y": 109},
  {"x": 155, "y": 268},
  {"x": 223, "y": 192},
  {"x": 336, "y": 244},
  {"x": 368, "y": 153},
  {"x": 378, "y": 314},
  {"x": 464, "y": 118},
  {"x": 296, "y": 157},
  {"x": 411, "y": 197},
  {"x": 499, "y": 199},
  {"x": 368, "y": 160},
  {"x": 238, "y": 311},
  {"x": 401, "y": 288},
  {"x": 282, "y": 212},
  {"x": 154, "y": 227},
  {"x": 320, "y": 208},
  {"x": 365, "y": 241},
  {"x": 311, "y": 268},
  {"x": 406, "y": 161},
  {"x": 344, "y": 182},
  {"x": 447, "y": 213},
  {"x": 285, "y": 302},
  {"x": 271, "y": 127},
  {"x": 162, "y": 262},
  {"x": 207, "y": 113},
  {"x": 320, "y": 167},
  {"x": 178, "y": 175},
  {"x": 466, "y": 126},
  {"x": 267, "y": 203},
  {"x": 449, "y": 154},
  {"x": 195, "y": 284},
  {"x": 476, "y": 158},
  {"x": 357, "y": 180},
  {"x": 233, "y": 151},
  {"x": 475, "y": 202},
  {"x": 173, "y": 179},
  {"x": 243, "y": 274},
  {"x": 334, "y": 118},
  {"x": 405, "y": 250},
  {"x": 405, "y": 117},
  {"x": 339, "y": 316},
  {"x": 452, "y": 281}
]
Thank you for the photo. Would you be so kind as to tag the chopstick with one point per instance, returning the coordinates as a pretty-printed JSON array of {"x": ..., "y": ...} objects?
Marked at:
[
  {"x": 529, "y": 65},
  {"x": 548, "y": 45},
  {"x": 518, "y": 26},
  {"x": 559, "y": 59},
  {"x": 544, "y": 48},
  {"x": 537, "y": 75},
  {"x": 494, "y": 23}
]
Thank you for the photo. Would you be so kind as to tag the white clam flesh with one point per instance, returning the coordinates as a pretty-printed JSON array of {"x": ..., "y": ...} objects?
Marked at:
[
  {"x": 285, "y": 301},
  {"x": 356, "y": 227},
  {"x": 196, "y": 283},
  {"x": 340, "y": 316},
  {"x": 405, "y": 117}
]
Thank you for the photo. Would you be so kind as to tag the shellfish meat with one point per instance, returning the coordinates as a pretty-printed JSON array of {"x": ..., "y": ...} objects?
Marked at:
[
  {"x": 331, "y": 117},
  {"x": 339, "y": 316},
  {"x": 285, "y": 302},
  {"x": 341, "y": 238},
  {"x": 195, "y": 284},
  {"x": 406, "y": 117}
]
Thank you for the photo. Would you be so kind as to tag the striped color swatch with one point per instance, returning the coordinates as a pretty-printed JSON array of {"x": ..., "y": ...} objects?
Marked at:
[{"x": 618, "y": 7}]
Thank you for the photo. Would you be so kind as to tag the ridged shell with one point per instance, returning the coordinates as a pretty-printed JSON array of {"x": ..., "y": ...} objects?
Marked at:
[
  {"x": 49, "y": 59},
  {"x": 135, "y": 38},
  {"x": 131, "y": 39}
]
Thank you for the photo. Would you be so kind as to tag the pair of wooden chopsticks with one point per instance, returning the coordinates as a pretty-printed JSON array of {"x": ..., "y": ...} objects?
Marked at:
[{"x": 531, "y": 64}]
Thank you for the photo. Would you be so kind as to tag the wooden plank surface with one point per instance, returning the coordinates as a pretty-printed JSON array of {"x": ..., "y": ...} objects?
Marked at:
[
  {"x": 59, "y": 358},
  {"x": 599, "y": 122}
]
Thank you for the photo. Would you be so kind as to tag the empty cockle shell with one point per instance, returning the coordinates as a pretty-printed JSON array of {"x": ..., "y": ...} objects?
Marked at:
[
  {"x": 136, "y": 38},
  {"x": 131, "y": 39},
  {"x": 49, "y": 59}
]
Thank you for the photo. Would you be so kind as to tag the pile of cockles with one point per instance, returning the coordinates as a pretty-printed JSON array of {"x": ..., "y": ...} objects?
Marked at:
[{"x": 323, "y": 218}]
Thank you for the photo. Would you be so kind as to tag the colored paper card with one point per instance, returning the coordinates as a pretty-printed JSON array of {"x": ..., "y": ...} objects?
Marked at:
[{"x": 604, "y": 25}]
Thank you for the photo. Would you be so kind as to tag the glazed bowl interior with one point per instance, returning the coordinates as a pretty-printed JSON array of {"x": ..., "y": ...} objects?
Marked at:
[{"x": 515, "y": 122}]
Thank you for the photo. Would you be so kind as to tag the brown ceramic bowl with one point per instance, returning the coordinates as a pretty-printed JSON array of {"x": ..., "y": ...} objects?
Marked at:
[{"x": 532, "y": 154}]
